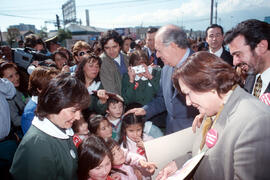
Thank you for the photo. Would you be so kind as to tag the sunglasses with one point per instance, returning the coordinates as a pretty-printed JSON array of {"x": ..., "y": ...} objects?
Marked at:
[{"x": 83, "y": 53}]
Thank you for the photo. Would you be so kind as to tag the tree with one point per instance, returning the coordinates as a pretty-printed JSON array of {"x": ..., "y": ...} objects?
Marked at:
[
  {"x": 13, "y": 34},
  {"x": 63, "y": 34},
  {"x": 43, "y": 33}
]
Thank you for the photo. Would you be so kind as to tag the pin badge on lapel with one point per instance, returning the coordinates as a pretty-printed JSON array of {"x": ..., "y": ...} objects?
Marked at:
[{"x": 211, "y": 138}]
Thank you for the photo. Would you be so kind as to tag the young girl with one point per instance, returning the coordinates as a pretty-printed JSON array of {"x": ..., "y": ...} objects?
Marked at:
[
  {"x": 132, "y": 136},
  {"x": 142, "y": 87},
  {"x": 81, "y": 131},
  {"x": 100, "y": 126},
  {"x": 94, "y": 159},
  {"x": 127, "y": 163}
]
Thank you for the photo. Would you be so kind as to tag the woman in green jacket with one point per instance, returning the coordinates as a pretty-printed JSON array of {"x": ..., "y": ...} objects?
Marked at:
[{"x": 47, "y": 150}]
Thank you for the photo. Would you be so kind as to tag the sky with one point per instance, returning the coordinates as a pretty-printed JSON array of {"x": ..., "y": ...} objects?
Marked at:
[{"x": 192, "y": 14}]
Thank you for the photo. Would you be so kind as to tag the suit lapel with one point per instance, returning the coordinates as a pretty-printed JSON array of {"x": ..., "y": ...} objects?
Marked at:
[
  {"x": 250, "y": 83},
  {"x": 267, "y": 90}
]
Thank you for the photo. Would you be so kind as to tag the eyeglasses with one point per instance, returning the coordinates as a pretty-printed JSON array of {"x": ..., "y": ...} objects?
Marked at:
[
  {"x": 218, "y": 35},
  {"x": 83, "y": 53}
]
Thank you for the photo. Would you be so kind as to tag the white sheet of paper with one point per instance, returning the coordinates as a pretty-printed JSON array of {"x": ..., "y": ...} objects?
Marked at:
[
  {"x": 187, "y": 168},
  {"x": 167, "y": 148}
]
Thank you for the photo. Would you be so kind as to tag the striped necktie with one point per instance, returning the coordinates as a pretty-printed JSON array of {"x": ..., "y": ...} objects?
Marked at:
[{"x": 258, "y": 87}]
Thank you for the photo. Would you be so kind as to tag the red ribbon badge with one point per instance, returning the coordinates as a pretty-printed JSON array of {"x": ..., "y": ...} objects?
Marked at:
[{"x": 136, "y": 85}]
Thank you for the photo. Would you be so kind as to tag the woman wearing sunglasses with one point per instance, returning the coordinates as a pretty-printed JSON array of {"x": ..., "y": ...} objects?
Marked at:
[{"x": 79, "y": 50}]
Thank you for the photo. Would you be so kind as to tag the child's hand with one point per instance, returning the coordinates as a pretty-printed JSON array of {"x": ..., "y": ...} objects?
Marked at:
[
  {"x": 148, "y": 166},
  {"x": 140, "y": 143},
  {"x": 167, "y": 171},
  {"x": 116, "y": 176},
  {"x": 137, "y": 173},
  {"x": 131, "y": 74}
]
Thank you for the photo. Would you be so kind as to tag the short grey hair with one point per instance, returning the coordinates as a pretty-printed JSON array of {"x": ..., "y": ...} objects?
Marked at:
[{"x": 175, "y": 34}]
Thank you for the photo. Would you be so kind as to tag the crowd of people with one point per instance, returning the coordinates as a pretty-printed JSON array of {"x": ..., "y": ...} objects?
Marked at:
[{"x": 86, "y": 112}]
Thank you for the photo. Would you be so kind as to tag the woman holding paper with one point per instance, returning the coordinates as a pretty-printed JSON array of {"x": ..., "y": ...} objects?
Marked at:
[{"x": 236, "y": 129}]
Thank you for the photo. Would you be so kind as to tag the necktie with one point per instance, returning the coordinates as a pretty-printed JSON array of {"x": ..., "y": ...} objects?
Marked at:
[
  {"x": 152, "y": 58},
  {"x": 207, "y": 125},
  {"x": 258, "y": 87}
]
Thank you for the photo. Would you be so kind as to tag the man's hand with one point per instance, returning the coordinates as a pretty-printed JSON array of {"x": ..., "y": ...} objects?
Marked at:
[
  {"x": 167, "y": 171},
  {"x": 136, "y": 111}
]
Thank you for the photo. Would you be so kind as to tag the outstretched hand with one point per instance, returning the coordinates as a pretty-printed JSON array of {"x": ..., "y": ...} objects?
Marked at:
[
  {"x": 136, "y": 111},
  {"x": 169, "y": 170},
  {"x": 148, "y": 166}
]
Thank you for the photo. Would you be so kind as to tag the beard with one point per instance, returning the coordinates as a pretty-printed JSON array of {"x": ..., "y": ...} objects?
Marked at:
[{"x": 257, "y": 66}]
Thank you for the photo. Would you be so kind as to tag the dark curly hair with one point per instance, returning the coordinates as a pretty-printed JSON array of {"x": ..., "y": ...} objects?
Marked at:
[{"x": 111, "y": 34}]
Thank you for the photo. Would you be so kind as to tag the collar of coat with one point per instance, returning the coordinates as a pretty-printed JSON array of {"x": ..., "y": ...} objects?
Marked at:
[{"x": 49, "y": 128}]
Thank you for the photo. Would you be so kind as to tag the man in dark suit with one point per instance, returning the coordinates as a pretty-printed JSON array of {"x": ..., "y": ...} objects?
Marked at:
[
  {"x": 214, "y": 38},
  {"x": 171, "y": 45},
  {"x": 249, "y": 44},
  {"x": 149, "y": 48}
]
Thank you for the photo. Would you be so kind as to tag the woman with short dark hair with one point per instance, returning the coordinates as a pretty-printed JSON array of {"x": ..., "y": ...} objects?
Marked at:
[
  {"x": 47, "y": 150},
  {"x": 236, "y": 129}
]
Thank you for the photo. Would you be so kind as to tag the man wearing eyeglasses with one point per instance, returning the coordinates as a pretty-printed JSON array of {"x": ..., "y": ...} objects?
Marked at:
[
  {"x": 114, "y": 63},
  {"x": 214, "y": 38}
]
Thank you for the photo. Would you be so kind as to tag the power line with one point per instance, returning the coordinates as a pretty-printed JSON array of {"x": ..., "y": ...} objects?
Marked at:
[
  {"x": 89, "y": 5},
  {"x": 27, "y": 17}
]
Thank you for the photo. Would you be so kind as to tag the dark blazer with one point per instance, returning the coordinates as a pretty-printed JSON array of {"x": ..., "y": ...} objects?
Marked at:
[
  {"x": 180, "y": 116},
  {"x": 226, "y": 56},
  {"x": 159, "y": 61},
  {"x": 249, "y": 84}
]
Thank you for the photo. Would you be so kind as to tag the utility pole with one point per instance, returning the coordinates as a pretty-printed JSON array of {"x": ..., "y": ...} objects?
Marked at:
[
  {"x": 211, "y": 13},
  {"x": 216, "y": 12},
  {"x": 1, "y": 38},
  {"x": 57, "y": 22}
]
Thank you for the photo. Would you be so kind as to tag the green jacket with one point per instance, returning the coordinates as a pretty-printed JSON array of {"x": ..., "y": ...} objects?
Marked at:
[
  {"x": 144, "y": 91},
  {"x": 45, "y": 152}
]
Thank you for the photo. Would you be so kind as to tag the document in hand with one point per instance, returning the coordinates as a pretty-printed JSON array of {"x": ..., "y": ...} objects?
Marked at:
[
  {"x": 187, "y": 168},
  {"x": 167, "y": 148}
]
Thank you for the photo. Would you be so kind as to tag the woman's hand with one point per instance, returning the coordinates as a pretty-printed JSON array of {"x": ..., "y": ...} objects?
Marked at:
[
  {"x": 103, "y": 97},
  {"x": 167, "y": 171},
  {"x": 197, "y": 122},
  {"x": 65, "y": 69},
  {"x": 131, "y": 74}
]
